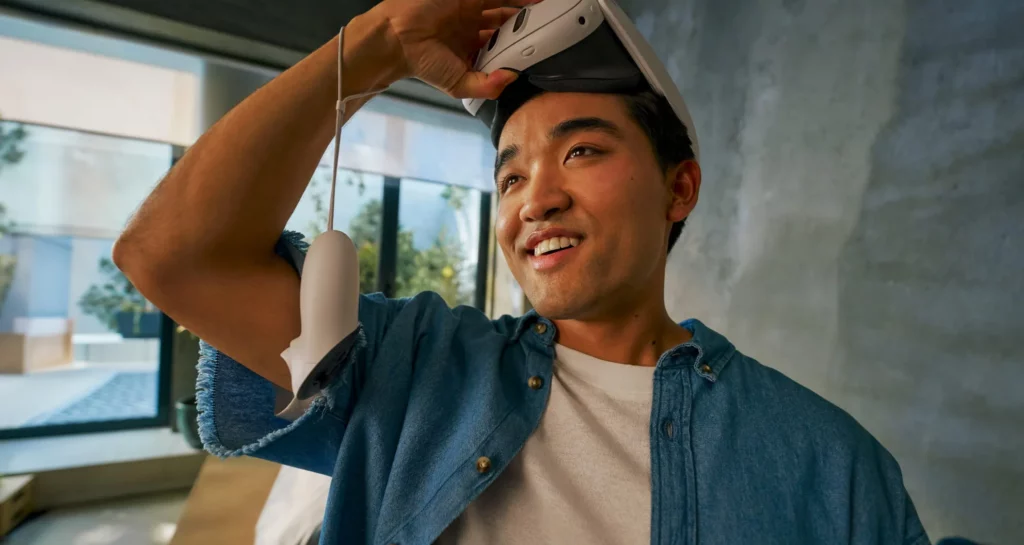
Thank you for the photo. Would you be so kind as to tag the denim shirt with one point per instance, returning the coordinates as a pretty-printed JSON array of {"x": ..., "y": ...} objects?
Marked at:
[{"x": 436, "y": 401}]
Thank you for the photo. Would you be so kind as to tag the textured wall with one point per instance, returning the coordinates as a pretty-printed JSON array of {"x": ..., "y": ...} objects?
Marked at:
[{"x": 861, "y": 223}]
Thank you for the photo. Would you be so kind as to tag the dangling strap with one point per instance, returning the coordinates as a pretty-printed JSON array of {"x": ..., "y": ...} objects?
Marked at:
[{"x": 339, "y": 121}]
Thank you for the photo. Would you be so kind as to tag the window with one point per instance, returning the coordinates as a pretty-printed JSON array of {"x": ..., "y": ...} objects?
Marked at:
[
  {"x": 80, "y": 350},
  {"x": 79, "y": 347},
  {"x": 439, "y": 234},
  {"x": 414, "y": 196},
  {"x": 358, "y": 211}
]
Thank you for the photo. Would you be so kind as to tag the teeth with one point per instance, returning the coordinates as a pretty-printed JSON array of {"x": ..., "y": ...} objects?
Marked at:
[{"x": 554, "y": 243}]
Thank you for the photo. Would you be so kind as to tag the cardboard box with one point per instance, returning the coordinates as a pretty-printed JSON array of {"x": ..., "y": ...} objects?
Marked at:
[
  {"x": 16, "y": 501},
  {"x": 35, "y": 345}
]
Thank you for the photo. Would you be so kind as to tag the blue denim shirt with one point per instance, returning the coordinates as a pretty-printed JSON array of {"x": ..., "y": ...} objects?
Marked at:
[{"x": 739, "y": 452}]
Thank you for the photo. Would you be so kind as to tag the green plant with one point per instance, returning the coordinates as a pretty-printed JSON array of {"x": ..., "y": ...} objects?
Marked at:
[
  {"x": 115, "y": 296},
  {"x": 10, "y": 153}
]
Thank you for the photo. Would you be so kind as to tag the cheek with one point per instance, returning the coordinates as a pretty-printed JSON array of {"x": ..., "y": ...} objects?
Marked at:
[
  {"x": 631, "y": 211},
  {"x": 506, "y": 227}
]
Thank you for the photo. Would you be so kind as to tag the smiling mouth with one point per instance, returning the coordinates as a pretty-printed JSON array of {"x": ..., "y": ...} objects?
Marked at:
[{"x": 555, "y": 244}]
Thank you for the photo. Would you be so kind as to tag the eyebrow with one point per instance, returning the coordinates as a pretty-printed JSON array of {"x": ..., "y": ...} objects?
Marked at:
[
  {"x": 561, "y": 130},
  {"x": 504, "y": 157}
]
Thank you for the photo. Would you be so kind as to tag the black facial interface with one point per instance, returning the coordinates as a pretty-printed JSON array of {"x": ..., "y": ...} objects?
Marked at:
[{"x": 598, "y": 63}]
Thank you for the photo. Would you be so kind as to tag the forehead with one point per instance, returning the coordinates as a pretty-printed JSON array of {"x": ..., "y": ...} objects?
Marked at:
[{"x": 543, "y": 112}]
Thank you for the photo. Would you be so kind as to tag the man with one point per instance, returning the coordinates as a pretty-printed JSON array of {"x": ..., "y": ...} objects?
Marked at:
[{"x": 593, "y": 419}]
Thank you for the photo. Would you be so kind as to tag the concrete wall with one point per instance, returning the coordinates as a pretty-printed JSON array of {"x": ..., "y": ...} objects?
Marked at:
[{"x": 861, "y": 223}]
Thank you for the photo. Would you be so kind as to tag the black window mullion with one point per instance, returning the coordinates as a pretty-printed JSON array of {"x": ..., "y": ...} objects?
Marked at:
[
  {"x": 483, "y": 251},
  {"x": 387, "y": 261}
]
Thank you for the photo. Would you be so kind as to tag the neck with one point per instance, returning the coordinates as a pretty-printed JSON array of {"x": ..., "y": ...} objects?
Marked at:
[{"x": 637, "y": 334}]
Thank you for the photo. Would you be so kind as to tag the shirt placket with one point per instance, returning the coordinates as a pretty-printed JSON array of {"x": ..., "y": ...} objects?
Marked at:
[{"x": 673, "y": 505}]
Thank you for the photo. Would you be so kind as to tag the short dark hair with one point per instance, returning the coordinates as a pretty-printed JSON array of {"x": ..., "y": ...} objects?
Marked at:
[{"x": 668, "y": 136}]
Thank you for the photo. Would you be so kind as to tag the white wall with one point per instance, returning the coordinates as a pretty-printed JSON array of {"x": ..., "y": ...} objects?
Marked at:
[{"x": 72, "y": 85}]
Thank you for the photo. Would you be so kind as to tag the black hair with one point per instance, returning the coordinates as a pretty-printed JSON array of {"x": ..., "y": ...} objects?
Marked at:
[{"x": 668, "y": 136}]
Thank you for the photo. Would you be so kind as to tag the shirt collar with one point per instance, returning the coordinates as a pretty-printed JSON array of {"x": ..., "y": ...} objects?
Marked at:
[
  {"x": 709, "y": 351},
  {"x": 713, "y": 351}
]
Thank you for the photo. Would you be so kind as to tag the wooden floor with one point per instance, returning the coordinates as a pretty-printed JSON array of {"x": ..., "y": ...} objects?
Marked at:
[
  {"x": 221, "y": 508},
  {"x": 143, "y": 520},
  {"x": 226, "y": 502}
]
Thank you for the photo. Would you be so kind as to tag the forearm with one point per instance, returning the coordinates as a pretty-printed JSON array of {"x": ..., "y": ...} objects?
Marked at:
[{"x": 230, "y": 196}]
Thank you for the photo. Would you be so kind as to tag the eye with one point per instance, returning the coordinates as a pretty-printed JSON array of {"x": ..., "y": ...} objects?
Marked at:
[
  {"x": 507, "y": 182},
  {"x": 582, "y": 151}
]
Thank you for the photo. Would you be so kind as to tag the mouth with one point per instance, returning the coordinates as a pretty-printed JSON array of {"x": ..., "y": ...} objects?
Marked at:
[
  {"x": 554, "y": 245},
  {"x": 551, "y": 253}
]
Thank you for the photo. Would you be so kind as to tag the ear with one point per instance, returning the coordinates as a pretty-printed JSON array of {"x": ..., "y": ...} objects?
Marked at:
[{"x": 683, "y": 182}]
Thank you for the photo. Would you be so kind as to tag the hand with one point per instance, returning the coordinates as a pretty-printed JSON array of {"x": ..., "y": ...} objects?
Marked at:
[{"x": 437, "y": 41}]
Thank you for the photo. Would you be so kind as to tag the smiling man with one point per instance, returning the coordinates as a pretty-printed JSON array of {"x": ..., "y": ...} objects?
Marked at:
[
  {"x": 593, "y": 419},
  {"x": 594, "y": 190}
]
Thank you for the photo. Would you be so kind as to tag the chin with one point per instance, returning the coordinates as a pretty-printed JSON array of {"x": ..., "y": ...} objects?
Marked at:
[{"x": 561, "y": 306}]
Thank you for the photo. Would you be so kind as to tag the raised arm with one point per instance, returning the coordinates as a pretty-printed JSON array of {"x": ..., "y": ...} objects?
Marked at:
[{"x": 201, "y": 246}]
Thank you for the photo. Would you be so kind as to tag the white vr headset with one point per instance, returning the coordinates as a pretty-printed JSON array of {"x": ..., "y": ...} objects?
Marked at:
[
  {"x": 555, "y": 45},
  {"x": 588, "y": 46}
]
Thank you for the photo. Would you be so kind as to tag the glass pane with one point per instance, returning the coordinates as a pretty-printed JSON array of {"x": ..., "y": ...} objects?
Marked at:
[
  {"x": 357, "y": 211},
  {"x": 404, "y": 140},
  {"x": 438, "y": 237},
  {"x": 77, "y": 342}
]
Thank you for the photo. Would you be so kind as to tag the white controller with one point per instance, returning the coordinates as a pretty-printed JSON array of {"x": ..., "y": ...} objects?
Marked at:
[
  {"x": 328, "y": 293},
  {"x": 329, "y": 310}
]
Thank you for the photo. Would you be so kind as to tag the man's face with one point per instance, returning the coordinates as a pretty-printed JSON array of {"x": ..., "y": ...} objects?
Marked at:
[{"x": 574, "y": 169}]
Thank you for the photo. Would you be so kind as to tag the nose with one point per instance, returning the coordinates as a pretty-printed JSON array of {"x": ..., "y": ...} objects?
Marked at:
[{"x": 545, "y": 198}]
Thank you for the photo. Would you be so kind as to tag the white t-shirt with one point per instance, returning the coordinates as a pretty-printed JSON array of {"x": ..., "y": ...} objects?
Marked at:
[{"x": 584, "y": 476}]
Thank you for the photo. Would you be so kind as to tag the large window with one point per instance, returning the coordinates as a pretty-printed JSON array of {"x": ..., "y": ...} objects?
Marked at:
[{"x": 80, "y": 349}]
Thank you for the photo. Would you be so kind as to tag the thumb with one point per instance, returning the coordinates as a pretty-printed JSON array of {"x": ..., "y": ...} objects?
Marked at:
[{"x": 481, "y": 85}]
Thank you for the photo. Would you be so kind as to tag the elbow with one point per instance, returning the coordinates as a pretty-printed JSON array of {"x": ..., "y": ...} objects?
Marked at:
[
  {"x": 120, "y": 253},
  {"x": 125, "y": 254},
  {"x": 145, "y": 271}
]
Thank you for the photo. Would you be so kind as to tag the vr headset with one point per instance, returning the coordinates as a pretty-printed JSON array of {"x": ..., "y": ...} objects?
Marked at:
[{"x": 583, "y": 46}]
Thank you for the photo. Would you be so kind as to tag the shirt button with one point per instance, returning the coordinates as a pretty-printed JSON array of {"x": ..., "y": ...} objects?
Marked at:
[
  {"x": 540, "y": 328},
  {"x": 669, "y": 429},
  {"x": 536, "y": 383},
  {"x": 706, "y": 369},
  {"x": 483, "y": 464}
]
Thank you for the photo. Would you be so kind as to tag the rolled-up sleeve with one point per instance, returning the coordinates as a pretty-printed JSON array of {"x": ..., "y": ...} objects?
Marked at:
[{"x": 238, "y": 408}]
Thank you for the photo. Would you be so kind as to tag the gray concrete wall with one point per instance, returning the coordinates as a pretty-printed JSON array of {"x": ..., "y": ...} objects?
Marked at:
[{"x": 861, "y": 223}]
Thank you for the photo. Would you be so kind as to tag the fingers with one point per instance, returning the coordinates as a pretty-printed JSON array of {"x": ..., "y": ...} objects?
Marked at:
[
  {"x": 494, "y": 18},
  {"x": 481, "y": 85},
  {"x": 491, "y": 4}
]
